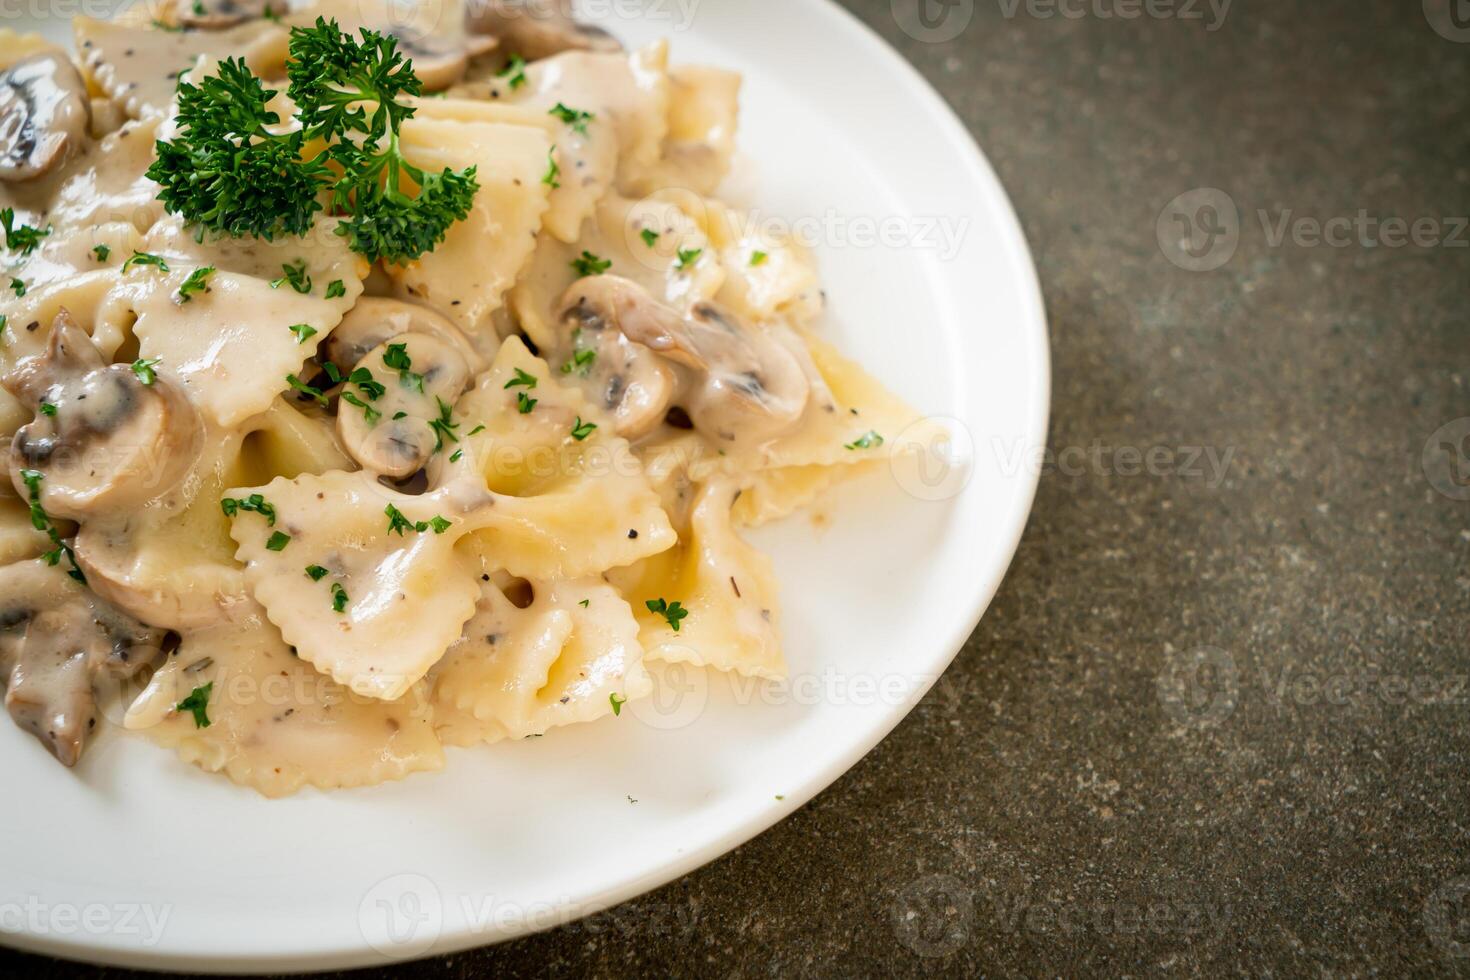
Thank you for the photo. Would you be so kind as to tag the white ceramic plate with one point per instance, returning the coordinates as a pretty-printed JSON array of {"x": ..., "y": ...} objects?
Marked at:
[{"x": 137, "y": 859}]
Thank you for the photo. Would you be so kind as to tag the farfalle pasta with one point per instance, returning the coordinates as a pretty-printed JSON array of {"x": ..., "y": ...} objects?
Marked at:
[{"x": 375, "y": 386}]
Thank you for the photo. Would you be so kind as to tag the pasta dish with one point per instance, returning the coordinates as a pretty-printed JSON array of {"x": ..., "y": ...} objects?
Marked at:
[{"x": 379, "y": 383}]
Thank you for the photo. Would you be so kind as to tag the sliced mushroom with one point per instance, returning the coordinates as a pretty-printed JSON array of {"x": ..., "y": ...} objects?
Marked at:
[
  {"x": 374, "y": 320},
  {"x": 631, "y": 382},
  {"x": 44, "y": 115},
  {"x": 432, "y": 35},
  {"x": 104, "y": 438},
  {"x": 214, "y": 15},
  {"x": 537, "y": 29},
  {"x": 740, "y": 384},
  {"x": 391, "y": 434},
  {"x": 56, "y": 638}
]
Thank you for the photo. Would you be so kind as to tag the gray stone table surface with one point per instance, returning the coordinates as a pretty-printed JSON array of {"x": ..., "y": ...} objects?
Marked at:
[{"x": 1217, "y": 719}]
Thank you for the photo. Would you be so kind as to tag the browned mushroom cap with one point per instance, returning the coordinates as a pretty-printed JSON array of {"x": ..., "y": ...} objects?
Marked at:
[
  {"x": 391, "y": 435},
  {"x": 741, "y": 384},
  {"x": 440, "y": 62},
  {"x": 538, "y": 28},
  {"x": 215, "y": 15},
  {"x": 56, "y": 638},
  {"x": 374, "y": 320},
  {"x": 104, "y": 436},
  {"x": 631, "y": 382},
  {"x": 44, "y": 114}
]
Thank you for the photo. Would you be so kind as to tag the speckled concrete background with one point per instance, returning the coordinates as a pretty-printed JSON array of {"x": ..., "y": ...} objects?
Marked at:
[{"x": 1217, "y": 719}]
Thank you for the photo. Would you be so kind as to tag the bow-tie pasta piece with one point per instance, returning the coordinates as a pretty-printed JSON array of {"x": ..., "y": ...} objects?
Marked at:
[
  {"x": 172, "y": 562},
  {"x": 467, "y": 276},
  {"x": 658, "y": 243},
  {"x": 234, "y": 699},
  {"x": 570, "y": 498},
  {"x": 627, "y": 94},
  {"x": 363, "y": 581},
  {"x": 704, "y": 107},
  {"x": 137, "y": 65},
  {"x": 226, "y": 336},
  {"x": 714, "y": 598},
  {"x": 570, "y": 656}
]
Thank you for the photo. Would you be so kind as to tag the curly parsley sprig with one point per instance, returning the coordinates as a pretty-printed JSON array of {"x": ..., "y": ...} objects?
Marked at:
[{"x": 235, "y": 170}]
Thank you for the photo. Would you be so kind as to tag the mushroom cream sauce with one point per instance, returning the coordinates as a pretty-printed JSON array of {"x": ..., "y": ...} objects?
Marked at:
[{"x": 307, "y": 518}]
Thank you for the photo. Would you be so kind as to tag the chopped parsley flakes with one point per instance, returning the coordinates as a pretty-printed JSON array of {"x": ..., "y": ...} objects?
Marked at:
[
  {"x": 869, "y": 440},
  {"x": 617, "y": 703},
  {"x": 295, "y": 276},
  {"x": 515, "y": 70},
  {"x": 672, "y": 612},
  {"x": 303, "y": 331},
  {"x": 278, "y": 541},
  {"x": 23, "y": 238},
  {"x": 688, "y": 257},
  {"x": 145, "y": 258},
  {"x": 581, "y": 430},
  {"x": 255, "y": 502},
  {"x": 144, "y": 369},
  {"x": 197, "y": 704},
  {"x": 575, "y": 118},
  {"x": 198, "y": 282},
  {"x": 525, "y": 403},
  {"x": 588, "y": 264},
  {"x": 523, "y": 379}
]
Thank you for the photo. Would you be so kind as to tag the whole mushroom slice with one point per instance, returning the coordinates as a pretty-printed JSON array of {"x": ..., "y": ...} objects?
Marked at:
[
  {"x": 105, "y": 436},
  {"x": 374, "y": 320},
  {"x": 44, "y": 115},
  {"x": 740, "y": 385},
  {"x": 391, "y": 433},
  {"x": 214, "y": 15},
  {"x": 57, "y": 640},
  {"x": 537, "y": 29},
  {"x": 629, "y": 380}
]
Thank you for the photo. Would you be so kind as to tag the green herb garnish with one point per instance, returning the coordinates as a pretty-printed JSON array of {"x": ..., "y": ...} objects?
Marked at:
[
  {"x": 588, "y": 264},
  {"x": 144, "y": 258},
  {"x": 233, "y": 169},
  {"x": 303, "y": 331},
  {"x": 197, "y": 704},
  {"x": 197, "y": 282},
  {"x": 869, "y": 440},
  {"x": 523, "y": 379},
  {"x": 255, "y": 503},
  {"x": 581, "y": 430},
  {"x": 295, "y": 276},
  {"x": 23, "y": 238},
  {"x": 672, "y": 612},
  {"x": 144, "y": 369},
  {"x": 575, "y": 118},
  {"x": 278, "y": 541}
]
